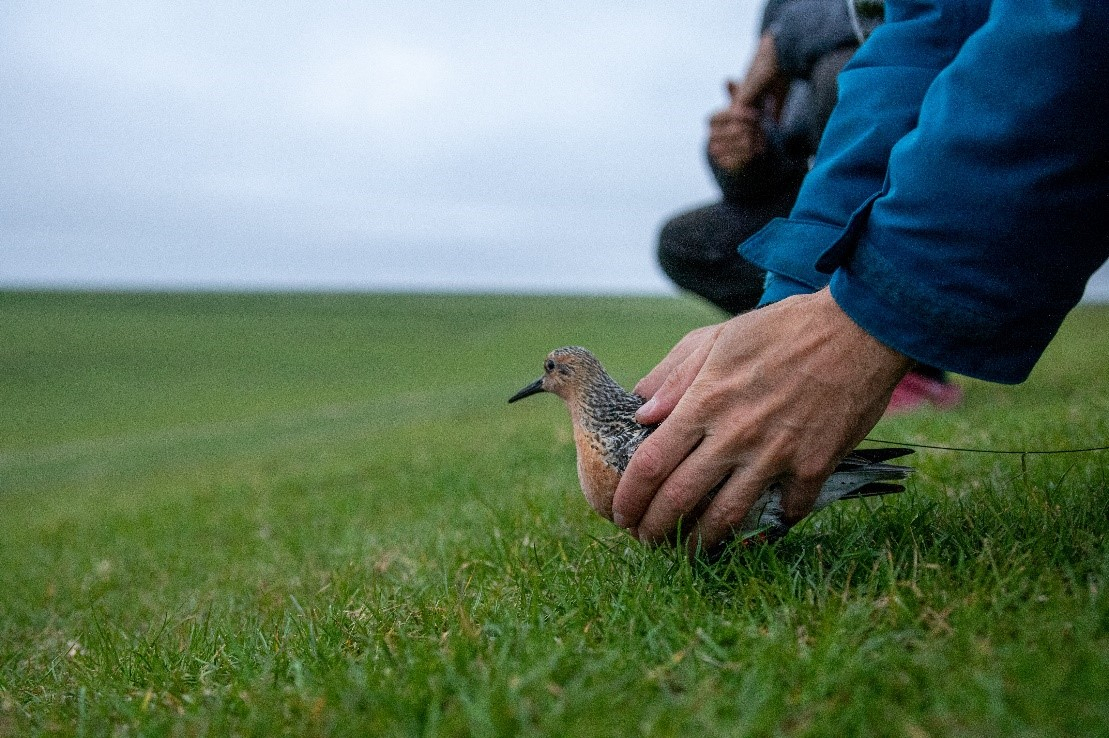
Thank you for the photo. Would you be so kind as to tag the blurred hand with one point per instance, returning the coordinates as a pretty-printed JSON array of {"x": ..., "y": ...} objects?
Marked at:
[
  {"x": 765, "y": 87},
  {"x": 736, "y": 134},
  {"x": 779, "y": 394}
]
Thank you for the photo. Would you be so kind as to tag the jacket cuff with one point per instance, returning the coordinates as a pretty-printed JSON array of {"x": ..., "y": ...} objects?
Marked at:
[
  {"x": 936, "y": 334},
  {"x": 791, "y": 248},
  {"x": 777, "y": 288}
]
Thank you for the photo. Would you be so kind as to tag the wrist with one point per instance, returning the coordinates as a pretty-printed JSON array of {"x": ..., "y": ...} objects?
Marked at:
[{"x": 884, "y": 360}]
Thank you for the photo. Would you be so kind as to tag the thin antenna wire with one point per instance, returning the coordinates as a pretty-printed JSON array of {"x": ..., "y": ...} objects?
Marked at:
[{"x": 989, "y": 450}]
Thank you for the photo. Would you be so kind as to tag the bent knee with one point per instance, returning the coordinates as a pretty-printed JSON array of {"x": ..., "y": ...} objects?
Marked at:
[{"x": 681, "y": 243}]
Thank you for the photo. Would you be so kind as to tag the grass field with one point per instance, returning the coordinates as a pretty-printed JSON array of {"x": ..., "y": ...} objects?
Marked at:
[{"x": 315, "y": 515}]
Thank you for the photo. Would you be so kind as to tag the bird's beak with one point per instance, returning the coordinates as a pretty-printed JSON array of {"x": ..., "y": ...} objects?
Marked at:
[{"x": 534, "y": 388}]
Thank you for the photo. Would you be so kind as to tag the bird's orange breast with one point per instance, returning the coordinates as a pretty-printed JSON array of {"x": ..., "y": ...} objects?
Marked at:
[{"x": 598, "y": 478}]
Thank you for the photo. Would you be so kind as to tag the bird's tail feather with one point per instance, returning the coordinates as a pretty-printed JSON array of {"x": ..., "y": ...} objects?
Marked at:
[
  {"x": 874, "y": 477},
  {"x": 874, "y": 489}
]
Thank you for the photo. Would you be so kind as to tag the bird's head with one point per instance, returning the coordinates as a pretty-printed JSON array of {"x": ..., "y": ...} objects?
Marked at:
[{"x": 566, "y": 372}]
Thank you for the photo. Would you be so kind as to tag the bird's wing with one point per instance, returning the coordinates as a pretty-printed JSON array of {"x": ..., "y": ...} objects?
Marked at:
[
  {"x": 874, "y": 489},
  {"x": 625, "y": 442}
]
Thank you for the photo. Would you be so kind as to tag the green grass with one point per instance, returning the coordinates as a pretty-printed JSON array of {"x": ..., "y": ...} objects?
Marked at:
[{"x": 316, "y": 515}]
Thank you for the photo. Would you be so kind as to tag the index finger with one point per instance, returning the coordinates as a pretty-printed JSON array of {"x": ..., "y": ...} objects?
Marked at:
[{"x": 683, "y": 349}]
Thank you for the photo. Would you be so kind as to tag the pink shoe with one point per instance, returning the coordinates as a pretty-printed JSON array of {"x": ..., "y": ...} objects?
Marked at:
[{"x": 916, "y": 390}]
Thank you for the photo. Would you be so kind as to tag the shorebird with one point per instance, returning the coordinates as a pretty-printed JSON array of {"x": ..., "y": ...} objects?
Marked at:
[{"x": 606, "y": 435}]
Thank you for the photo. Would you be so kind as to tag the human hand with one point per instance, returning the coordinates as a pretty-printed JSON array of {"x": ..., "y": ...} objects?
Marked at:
[
  {"x": 764, "y": 87},
  {"x": 736, "y": 134},
  {"x": 674, "y": 366},
  {"x": 779, "y": 394}
]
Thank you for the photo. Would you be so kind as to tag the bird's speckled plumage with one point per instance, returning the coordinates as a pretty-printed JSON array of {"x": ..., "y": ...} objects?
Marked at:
[
  {"x": 607, "y": 412},
  {"x": 606, "y": 435}
]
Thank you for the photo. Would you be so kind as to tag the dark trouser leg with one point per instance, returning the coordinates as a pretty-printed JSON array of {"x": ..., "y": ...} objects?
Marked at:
[{"x": 698, "y": 251}]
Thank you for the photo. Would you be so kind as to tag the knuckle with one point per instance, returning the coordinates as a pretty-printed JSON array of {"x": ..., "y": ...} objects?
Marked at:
[
  {"x": 709, "y": 397},
  {"x": 648, "y": 462},
  {"x": 676, "y": 378},
  {"x": 731, "y": 509},
  {"x": 691, "y": 338},
  {"x": 677, "y": 497}
]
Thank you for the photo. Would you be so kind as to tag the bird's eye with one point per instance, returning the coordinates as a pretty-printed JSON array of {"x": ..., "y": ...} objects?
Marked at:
[{"x": 549, "y": 366}]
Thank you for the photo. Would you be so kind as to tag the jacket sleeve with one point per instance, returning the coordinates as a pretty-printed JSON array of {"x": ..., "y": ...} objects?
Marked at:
[
  {"x": 880, "y": 93},
  {"x": 979, "y": 235},
  {"x": 806, "y": 30}
]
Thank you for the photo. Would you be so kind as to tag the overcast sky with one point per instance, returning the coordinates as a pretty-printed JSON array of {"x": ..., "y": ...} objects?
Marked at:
[{"x": 425, "y": 145}]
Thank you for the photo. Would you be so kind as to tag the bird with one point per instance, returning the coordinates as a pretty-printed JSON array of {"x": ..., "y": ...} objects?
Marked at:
[{"x": 606, "y": 436}]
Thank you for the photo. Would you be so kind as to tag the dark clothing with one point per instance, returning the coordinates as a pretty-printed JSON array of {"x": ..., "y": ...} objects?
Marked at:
[
  {"x": 957, "y": 205},
  {"x": 806, "y": 31},
  {"x": 698, "y": 249}
]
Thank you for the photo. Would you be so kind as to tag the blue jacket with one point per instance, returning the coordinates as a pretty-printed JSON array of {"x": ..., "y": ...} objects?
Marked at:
[{"x": 959, "y": 200}]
